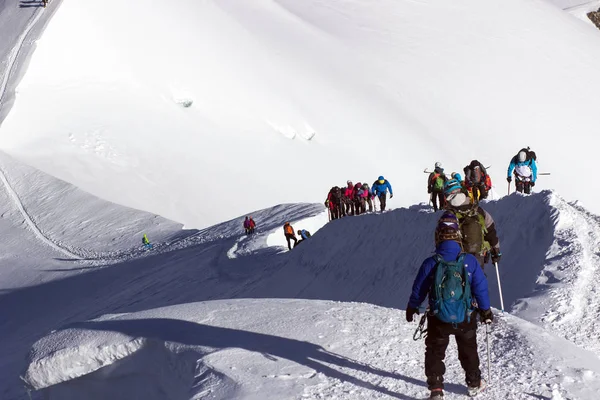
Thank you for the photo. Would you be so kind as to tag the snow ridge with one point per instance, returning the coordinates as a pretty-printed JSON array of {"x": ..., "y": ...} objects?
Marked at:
[{"x": 573, "y": 273}]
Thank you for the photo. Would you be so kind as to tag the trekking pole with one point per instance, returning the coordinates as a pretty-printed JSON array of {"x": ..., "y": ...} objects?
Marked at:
[
  {"x": 329, "y": 213},
  {"x": 499, "y": 287},
  {"x": 543, "y": 173},
  {"x": 508, "y": 188},
  {"x": 487, "y": 337}
]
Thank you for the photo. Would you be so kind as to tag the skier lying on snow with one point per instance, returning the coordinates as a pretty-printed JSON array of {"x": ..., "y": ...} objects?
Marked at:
[{"x": 446, "y": 316}]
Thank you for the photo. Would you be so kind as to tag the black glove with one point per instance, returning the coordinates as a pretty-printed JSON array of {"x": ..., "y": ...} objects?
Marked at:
[
  {"x": 428, "y": 190},
  {"x": 532, "y": 184},
  {"x": 391, "y": 195},
  {"x": 509, "y": 179},
  {"x": 410, "y": 312},
  {"x": 496, "y": 256},
  {"x": 486, "y": 316}
]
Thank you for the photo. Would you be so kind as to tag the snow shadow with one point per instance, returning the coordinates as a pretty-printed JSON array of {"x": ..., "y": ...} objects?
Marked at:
[
  {"x": 305, "y": 353},
  {"x": 31, "y": 3},
  {"x": 526, "y": 231}
]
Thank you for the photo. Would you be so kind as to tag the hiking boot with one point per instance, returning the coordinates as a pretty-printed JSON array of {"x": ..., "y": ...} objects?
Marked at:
[
  {"x": 473, "y": 391},
  {"x": 436, "y": 394}
]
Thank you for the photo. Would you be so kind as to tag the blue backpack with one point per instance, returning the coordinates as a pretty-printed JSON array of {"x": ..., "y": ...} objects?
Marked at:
[{"x": 451, "y": 291}]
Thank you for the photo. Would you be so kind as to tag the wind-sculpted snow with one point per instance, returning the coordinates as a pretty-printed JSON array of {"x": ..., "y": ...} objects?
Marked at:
[
  {"x": 284, "y": 349},
  {"x": 371, "y": 258}
]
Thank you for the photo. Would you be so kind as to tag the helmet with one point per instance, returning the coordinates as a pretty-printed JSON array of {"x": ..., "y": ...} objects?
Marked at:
[
  {"x": 438, "y": 164},
  {"x": 381, "y": 178},
  {"x": 299, "y": 232},
  {"x": 451, "y": 186},
  {"x": 447, "y": 228},
  {"x": 522, "y": 156},
  {"x": 457, "y": 176}
]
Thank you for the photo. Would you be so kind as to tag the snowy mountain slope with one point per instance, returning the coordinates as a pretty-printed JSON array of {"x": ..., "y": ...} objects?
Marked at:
[
  {"x": 275, "y": 349},
  {"x": 290, "y": 98},
  {"x": 371, "y": 258},
  {"x": 42, "y": 288},
  {"x": 20, "y": 25}
]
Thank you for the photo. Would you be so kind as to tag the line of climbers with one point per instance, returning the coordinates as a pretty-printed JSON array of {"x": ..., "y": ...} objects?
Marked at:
[
  {"x": 453, "y": 278},
  {"x": 354, "y": 198},
  {"x": 478, "y": 183}
]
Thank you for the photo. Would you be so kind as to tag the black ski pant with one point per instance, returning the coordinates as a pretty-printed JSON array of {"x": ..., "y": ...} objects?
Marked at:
[
  {"x": 435, "y": 196},
  {"x": 349, "y": 207},
  {"x": 359, "y": 206},
  {"x": 290, "y": 237},
  {"x": 523, "y": 187},
  {"x": 382, "y": 198},
  {"x": 436, "y": 342},
  {"x": 334, "y": 210},
  {"x": 370, "y": 203}
]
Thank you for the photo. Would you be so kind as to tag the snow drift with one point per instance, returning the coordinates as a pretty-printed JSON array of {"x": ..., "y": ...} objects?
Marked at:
[
  {"x": 547, "y": 271},
  {"x": 275, "y": 349},
  {"x": 287, "y": 98}
]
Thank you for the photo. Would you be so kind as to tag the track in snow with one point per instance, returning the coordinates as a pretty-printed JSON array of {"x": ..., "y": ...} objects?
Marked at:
[
  {"x": 30, "y": 222},
  {"x": 14, "y": 54}
]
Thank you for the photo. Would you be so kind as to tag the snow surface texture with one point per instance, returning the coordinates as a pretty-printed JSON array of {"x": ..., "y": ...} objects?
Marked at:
[
  {"x": 287, "y": 98},
  {"x": 372, "y": 258},
  {"x": 285, "y": 349}
]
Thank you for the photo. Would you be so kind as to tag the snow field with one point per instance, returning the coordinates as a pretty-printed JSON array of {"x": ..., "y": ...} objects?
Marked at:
[{"x": 290, "y": 96}]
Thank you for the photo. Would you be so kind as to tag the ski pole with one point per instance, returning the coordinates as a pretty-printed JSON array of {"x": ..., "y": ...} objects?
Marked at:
[
  {"x": 487, "y": 337},
  {"x": 543, "y": 173},
  {"x": 499, "y": 287},
  {"x": 509, "y": 188}
]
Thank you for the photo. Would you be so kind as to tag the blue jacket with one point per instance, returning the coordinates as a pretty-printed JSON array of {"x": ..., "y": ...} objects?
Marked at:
[
  {"x": 304, "y": 234},
  {"x": 381, "y": 188},
  {"x": 530, "y": 163},
  {"x": 449, "y": 250}
]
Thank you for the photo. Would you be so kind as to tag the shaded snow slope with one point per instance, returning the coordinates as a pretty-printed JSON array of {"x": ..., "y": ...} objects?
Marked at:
[
  {"x": 291, "y": 97},
  {"x": 371, "y": 258},
  {"x": 285, "y": 349}
]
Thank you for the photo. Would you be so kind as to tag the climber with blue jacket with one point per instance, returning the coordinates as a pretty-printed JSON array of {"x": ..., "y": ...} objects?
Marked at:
[
  {"x": 380, "y": 188},
  {"x": 449, "y": 252},
  {"x": 524, "y": 167}
]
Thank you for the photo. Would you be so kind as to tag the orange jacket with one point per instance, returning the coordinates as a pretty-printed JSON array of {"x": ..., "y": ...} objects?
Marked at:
[{"x": 288, "y": 230}]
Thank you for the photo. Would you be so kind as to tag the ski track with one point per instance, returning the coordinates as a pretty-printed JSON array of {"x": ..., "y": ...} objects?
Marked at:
[
  {"x": 29, "y": 220},
  {"x": 14, "y": 54}
]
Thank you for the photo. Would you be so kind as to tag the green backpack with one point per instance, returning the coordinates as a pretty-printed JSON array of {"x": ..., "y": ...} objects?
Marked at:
[
  {"x": 438, "y": 182},
  {"x": 473, "y": 230}
]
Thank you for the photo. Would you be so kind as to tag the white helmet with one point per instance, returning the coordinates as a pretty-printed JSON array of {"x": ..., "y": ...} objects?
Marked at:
[
  {"x": 522, "y": 156},
  {"x": 438, "y": 164}
]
